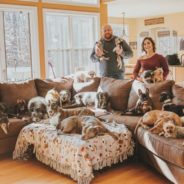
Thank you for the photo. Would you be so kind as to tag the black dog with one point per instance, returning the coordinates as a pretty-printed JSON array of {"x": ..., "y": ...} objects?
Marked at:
[
  {"x": 167, "y": 105},
  {"x": 143, "y": 105}
]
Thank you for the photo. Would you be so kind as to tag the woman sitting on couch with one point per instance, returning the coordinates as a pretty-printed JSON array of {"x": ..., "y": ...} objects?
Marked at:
[{"x": 151, "y": 60}]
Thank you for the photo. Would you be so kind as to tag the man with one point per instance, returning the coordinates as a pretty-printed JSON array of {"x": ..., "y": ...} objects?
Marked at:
[{"x": 109, "y": 52}]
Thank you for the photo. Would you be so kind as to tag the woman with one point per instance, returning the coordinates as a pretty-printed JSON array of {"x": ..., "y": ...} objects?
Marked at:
[{"x": 151, "y": 60}]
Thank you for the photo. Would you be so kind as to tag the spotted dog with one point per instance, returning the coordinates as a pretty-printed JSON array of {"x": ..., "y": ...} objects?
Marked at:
[{"x": 65, "y": 98}]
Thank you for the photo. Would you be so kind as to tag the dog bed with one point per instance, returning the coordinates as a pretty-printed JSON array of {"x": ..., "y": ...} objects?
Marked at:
[{"x": 71, "y": 155}]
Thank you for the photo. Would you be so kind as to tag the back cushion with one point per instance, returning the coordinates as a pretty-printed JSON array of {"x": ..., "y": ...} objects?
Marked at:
[
  {"x": 154, "y": 92},
  {"x": 178, "y": 93},
  {"x": 118, "y": 91},
  {"x": 44, "y": 86},
  {"x": 86, "y": 86},
  {"x": 10, "y": 92}
]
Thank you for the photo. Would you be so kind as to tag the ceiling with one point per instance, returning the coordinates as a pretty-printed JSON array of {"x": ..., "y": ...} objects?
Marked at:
[{"x": 144, "y": 8}]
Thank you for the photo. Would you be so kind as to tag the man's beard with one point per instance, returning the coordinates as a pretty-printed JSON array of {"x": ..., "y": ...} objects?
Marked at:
[{"x": 108, "y": 37}]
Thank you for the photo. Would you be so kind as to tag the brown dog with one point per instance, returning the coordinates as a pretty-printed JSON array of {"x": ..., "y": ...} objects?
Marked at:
[
  {"x": 89, "y": 126},
  {"x": 156, "y": 118}
]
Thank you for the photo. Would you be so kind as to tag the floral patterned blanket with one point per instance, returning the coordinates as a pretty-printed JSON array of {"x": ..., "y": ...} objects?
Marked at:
[{"x": 71, "y": 155}]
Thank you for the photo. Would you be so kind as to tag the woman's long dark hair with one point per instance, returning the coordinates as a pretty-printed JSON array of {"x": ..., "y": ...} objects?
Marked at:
[{"x": 151, "y": 40}]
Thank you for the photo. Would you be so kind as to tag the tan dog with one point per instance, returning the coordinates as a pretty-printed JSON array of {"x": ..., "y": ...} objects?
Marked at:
[
  {"x": 65, "y": 97},
  {"x": 158, "y": 75},
  {"x": 89, "y": 126},
  {"x": 156, "y": 118},
  {"x": 65, "y": 113},
  {"x": 52, "y": 99}
]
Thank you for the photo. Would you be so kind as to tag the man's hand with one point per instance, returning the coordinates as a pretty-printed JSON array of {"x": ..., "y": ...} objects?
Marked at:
[
  {"x": 98, "y": 51},
  {"x": 119, "y": 50}
]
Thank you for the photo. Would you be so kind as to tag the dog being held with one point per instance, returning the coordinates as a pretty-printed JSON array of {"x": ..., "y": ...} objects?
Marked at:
[
  {"x": 37, "y": 107},
  {"x": 99, "y": 48},
  {"x": 52, "y": 99},
  {"x": 4, "y": 118},
  {"x": 154, "y": 120},
  {"x": 166, "y": 99},
  {"x": 89, "y": 126},
  {"x": 143, "y": 105}
]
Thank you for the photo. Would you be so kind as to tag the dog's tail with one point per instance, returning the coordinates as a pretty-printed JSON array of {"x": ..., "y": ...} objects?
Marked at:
[{"x": 138, "y": 125}]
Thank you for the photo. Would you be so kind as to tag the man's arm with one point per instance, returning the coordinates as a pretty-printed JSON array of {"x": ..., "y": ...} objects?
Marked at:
[
  {"x": 93, "y": 55},
  {"x": 127, "y": 51}
]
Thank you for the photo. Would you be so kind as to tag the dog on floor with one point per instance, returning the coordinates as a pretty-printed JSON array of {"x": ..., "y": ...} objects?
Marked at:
[
  {"x": 166, "y": 99},
  {"x": 52, "y": 99},
  {"x": 143, "y": 105},
  {"x": 4, "y": 118},
  {"x": 154, "y": 120},
  {"x": 65, "y": 98},
  {"x": 38, "y": 108},
  {"x": 88, "y": 126}
]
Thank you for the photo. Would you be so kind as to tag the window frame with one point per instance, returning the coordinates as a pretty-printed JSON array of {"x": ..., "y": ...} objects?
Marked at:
[
  {"x": 72, "y": 3},
  {"x": 45, "y": 11},
  {"x": 34, "y": 41}
]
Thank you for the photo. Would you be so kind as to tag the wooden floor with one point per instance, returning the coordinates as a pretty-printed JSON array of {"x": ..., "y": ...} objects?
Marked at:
[{"x": 34, "y": 172}]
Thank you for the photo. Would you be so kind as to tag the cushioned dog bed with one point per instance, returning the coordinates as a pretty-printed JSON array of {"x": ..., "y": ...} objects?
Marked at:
[{"x": 69, "y": 154}]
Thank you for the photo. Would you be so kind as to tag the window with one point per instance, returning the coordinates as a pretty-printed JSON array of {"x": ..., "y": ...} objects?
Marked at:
[
  {"x": 70, "y": 38},
  {"x": 16, "y": 46},
  {"x": 76, "y": 2}
]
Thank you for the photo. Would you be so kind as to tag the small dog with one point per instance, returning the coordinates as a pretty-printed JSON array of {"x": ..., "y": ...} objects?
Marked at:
[
  {"x": 65, "y": 98},
  {"x": 37, "y": 107},
  {"x": 99, "y": 47},
  {"x": 89, "y": 126},
  {"x": 21, "y": 108},
  {"x": 143, "y": 105},
  {"x": 4, "y": 118},
  {"x": 118, "y": 42},
  {"x": 152, "y": 76},
  {"x": 84, "y": 76},
  {"x": 52, "y": 99},
  {"x": 166, "y": 99},
  {"x": 102, "y": 100},
  {"x": 158, "y": 75},
  {"x": 156, "y": 118}
]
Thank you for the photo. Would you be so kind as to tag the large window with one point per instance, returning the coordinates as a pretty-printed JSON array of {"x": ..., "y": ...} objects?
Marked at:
[
  {"x": 76, "y": 2},
  {"x": 70, "y": 38},
  {"x": 16, "y": 46}
]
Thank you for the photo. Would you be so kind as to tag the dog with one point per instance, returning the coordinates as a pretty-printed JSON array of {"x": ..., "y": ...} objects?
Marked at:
[
  {"x": 89, "y": 126},
  {"x": 21, "y": 109},
  {"x": 152, "y": 76},
  {"x": 166, "y": 99},
  {"x": 52, "y": 99},
  {"x": 118, "y": 42},
  {"x": 154, "y": 120},
  {"x": 38, "y": 108},
  {"x": 158, "y": 75},
  {"x": 99, "y": 47},
  {"x": 4, "y": 118},
  {"x": 65, "y": 98},
  {"x": 143, "y": 105},
  {"x": 84, "y": 76},
  {"x": 65, "y": 113},
  {"x": 102, "y": 100}
]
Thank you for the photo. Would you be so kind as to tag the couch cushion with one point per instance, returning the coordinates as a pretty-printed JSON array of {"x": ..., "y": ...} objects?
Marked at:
[
  {"x": 15, "y": 125},
  {"x": 168, "y": 149},
  {"x": 154, "y": 91},
  {"x": 129, "y": 121},
  {"x": 178, "y": 93},
  {"x": 86, "y": 86},
  {"x": 44, "y": 86},
  {"x": 118, "y": 91},
  {"x": 10, "y": 92}
]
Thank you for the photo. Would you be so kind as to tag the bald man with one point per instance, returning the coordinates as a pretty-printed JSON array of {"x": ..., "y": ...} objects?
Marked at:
[{"x": 110, "y": 53}]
